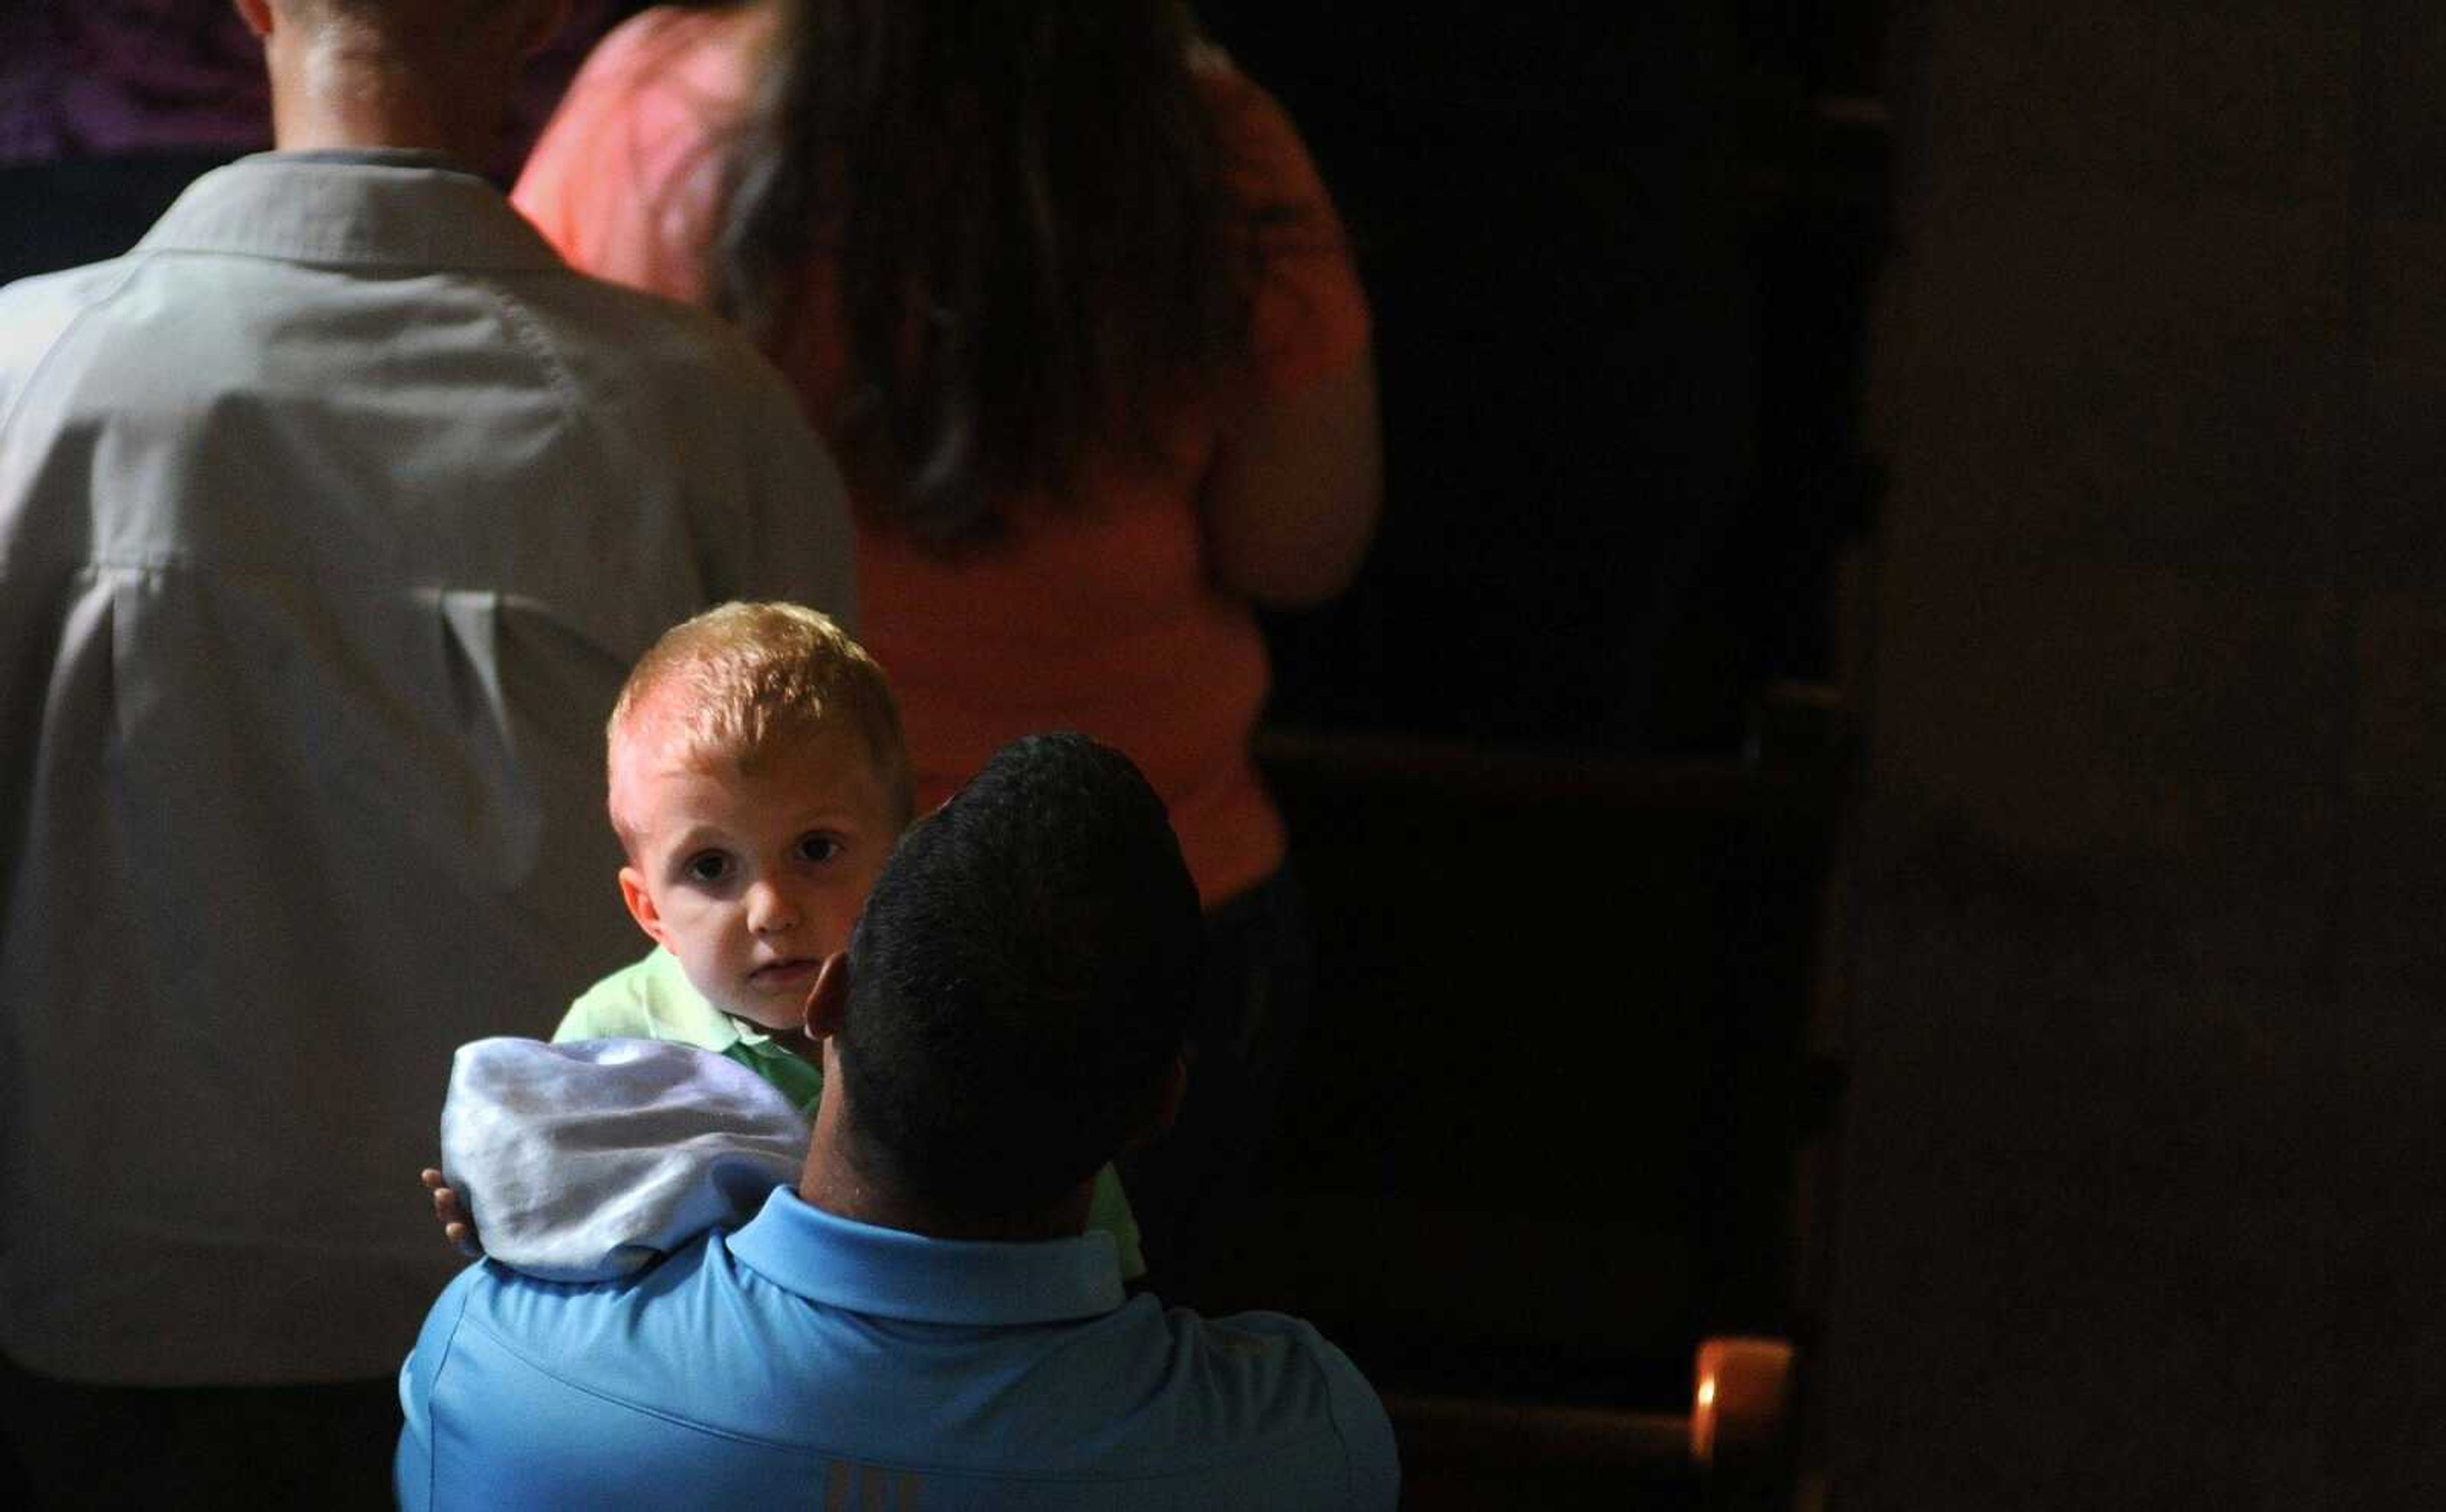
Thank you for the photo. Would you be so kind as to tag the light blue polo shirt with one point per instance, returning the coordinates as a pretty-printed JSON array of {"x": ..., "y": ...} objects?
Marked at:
[{"x": 806, "y": 1360}]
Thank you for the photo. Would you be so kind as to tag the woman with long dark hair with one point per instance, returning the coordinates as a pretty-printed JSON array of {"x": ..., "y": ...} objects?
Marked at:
[{"x": 1063, "y": 292}]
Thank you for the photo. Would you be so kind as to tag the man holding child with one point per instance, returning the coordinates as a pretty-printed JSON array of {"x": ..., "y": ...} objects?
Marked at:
[{"x": 924, "y": 1318}]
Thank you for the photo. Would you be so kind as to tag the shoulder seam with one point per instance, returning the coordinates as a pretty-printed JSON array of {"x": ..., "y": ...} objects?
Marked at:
[
  {"x": 59, "y": 338},
  {"x": 530, "y": 335}
]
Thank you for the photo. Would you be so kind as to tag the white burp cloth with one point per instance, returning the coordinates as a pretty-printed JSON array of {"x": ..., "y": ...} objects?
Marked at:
[{"x": 587, "y": 1161}]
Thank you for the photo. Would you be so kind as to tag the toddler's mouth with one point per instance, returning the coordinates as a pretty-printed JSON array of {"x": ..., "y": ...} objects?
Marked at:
[{"x": 784, "y": 973}]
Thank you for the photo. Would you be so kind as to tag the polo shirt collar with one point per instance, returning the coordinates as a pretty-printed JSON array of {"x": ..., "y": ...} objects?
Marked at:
[
  {"x": 681, "y": 1013},
  {"x": 892, "y": 1273},
  {"x": 409, "y": 210}
]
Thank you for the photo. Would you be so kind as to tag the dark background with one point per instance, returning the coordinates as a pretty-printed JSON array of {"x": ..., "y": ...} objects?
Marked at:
[
  {"x": 1619, "y": 256},
  {"x": 1565, "y": 770},
  {"x": 2078, "y": 426}
]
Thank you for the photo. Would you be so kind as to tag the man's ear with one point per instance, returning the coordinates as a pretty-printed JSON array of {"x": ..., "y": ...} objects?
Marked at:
[
  {"x": 1162, "y": 1104},
  {"x": 828, "y": 999},
  {"x": 641, "y": 905},
  {"x": 258, "y": 16}
]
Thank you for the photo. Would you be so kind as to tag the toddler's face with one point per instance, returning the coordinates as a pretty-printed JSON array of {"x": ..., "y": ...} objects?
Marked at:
[{"x": 753, "y": 877}]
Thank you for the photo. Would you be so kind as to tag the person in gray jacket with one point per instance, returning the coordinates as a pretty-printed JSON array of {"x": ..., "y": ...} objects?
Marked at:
[{"x": 331, "y": 518}]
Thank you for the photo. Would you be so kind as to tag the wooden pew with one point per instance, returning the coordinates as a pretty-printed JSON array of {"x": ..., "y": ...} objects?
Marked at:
[{"x": 1540, "y": 1149}]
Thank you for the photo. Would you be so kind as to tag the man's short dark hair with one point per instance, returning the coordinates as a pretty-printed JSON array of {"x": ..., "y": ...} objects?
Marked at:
[{"x": 1020, "y": 981}]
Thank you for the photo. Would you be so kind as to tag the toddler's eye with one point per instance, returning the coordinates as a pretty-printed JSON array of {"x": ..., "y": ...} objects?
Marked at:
[
  {"x": 818, "y": 848},
  {"x": 705, "y": 865}
]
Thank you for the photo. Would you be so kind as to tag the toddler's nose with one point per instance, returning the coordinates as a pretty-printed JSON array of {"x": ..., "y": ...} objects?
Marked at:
[{"x": 770, "y": 909}]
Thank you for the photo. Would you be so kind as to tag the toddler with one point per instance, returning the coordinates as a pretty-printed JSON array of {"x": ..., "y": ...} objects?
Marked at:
[{"x": 758, "y": 781}]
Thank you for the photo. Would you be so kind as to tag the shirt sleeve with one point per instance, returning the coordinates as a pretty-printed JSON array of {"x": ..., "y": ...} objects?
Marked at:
[
  {"x": 626, "y": 178},
  {"x": 412, "y": 1465},
  {"x": 1374, "y": 1463},
  {"x": 1310, "y": 316}
]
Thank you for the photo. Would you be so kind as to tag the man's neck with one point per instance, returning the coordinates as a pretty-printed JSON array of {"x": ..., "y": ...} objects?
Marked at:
[
  {"x": 832, "y": 1181},
  {"x": 325, "y": 101}
]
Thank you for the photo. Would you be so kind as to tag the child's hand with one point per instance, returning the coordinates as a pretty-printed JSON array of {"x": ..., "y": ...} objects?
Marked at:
[{"x": 456, "y": 1225}]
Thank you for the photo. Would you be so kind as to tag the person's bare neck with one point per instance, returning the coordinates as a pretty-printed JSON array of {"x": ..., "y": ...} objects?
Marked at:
[
  {"x": 832, "y": 1181},
  {"x": 327, "y": 98}
]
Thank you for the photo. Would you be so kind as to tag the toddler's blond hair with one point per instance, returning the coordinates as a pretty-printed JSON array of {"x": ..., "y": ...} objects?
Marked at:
[{"x": 733, "y": 681}]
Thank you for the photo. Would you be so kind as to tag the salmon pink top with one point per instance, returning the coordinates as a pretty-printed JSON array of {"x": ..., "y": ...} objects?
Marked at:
[{"x": 1096, "y": 613}]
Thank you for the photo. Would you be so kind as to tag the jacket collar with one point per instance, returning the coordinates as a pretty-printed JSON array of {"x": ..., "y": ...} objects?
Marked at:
[{"x": 355, "y": 210}]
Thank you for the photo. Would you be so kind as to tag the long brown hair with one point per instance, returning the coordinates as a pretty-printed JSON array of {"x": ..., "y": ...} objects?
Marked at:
[{"x": 1024, "y": 210}]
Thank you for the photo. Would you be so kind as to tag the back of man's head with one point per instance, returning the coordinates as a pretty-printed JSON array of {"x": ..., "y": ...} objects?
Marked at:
[{"x": 1020, "y": 982}]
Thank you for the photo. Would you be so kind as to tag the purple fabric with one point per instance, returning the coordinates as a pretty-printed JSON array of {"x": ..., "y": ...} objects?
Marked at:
[
  {"x": 88, "y": 78},
  {"x": 104, "y": 78}
]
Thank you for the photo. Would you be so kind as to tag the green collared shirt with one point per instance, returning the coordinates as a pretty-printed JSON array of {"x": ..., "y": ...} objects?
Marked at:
[{"x": 653, "y": 1000}]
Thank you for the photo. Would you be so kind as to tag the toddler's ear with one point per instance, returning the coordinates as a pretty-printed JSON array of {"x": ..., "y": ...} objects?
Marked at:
[{"x": 641, "y": 904}]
